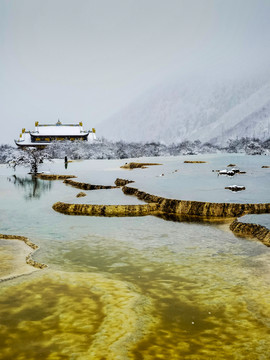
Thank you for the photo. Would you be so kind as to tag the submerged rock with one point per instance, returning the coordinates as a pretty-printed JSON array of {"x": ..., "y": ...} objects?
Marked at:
[
  {"x": 81, "y": 194},
  {"x": 105, "y": 210},
  {"x": 85, "y": 186},
  {"x": 134, "y": 165}
]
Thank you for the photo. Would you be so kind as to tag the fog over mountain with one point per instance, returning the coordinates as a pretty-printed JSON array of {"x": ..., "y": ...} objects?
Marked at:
[
  {"x": 86, "y": 60},
  {"x": 202, "y": 108}
]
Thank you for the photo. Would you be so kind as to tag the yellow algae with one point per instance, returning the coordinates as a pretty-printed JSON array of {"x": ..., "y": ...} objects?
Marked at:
[
  {"x": 18, "y": 237},
  {"x": 122, "y": 182},
  {"x": 194, "y": 162},
  {"x": 251, "y": 230},
  {"x": 214, "y": 307},
  {"x": 211, "y": 313},
  {"x": 81, "y": 194},
  {"x": 198, "y": 208},
  {"x": 221, "y": 311},
  {"x": 105, "y": 210},
  {"x": 75, "y": 316},
  {"x": 135, "y": 165},
  {"x": 54, "y": 176},
  {"x": 215, "y": 321}
]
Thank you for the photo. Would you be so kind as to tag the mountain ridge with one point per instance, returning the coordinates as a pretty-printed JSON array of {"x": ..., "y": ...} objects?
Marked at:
[{"x": 209, "y": 111}]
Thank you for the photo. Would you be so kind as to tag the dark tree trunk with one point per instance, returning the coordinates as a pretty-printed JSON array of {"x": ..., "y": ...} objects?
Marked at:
[{"x": 34, "y": 167}]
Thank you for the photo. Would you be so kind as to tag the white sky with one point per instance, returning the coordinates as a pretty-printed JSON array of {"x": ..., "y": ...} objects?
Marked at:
[{"x": 83, "y": 60}]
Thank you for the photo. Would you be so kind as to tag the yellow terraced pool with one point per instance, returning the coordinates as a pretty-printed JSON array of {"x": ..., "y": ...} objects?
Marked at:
[{"x": 133, "y": 287}]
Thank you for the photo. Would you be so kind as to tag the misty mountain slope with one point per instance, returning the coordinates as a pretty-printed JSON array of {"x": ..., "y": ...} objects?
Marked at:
[
  {"x": 204, "y": 110},
  {"x": 249, "y": 118},
  {"x": 256, "y": 124}
]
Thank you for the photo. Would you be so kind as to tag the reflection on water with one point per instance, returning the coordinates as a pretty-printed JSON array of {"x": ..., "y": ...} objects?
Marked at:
[
  {"x": 136, "y": 288},
  {"x": 32, "y": 186}
]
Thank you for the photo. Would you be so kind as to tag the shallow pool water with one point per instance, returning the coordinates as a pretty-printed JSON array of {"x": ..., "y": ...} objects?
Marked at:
[{"x": 135, "y": 288}]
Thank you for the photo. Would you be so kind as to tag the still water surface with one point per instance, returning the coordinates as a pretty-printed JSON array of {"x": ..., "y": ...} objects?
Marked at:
[{"x": 135, "y": 288}]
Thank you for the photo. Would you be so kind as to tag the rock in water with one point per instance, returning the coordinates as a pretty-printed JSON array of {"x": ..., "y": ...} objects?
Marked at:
[
  {"x": 81, "y": 194},
  {"x": 235, "y": 187}
]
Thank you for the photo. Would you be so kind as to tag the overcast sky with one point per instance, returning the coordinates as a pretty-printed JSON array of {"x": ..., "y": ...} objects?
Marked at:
[{"x": 83, "y": 60}]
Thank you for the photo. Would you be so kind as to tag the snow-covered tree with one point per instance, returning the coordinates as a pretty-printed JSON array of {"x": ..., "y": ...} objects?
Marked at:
[{"x": 29, "y": 157}]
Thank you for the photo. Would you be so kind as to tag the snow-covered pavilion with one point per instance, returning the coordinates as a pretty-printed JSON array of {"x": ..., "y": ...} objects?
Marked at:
[{"x": 46, "y": 133}]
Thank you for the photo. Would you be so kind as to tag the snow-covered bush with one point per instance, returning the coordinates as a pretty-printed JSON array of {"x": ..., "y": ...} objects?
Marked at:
[{"x": 6, "y": 152}]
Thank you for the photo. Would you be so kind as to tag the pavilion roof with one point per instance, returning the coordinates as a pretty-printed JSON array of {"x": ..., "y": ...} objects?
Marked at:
[{"x": 57, "y": 130}]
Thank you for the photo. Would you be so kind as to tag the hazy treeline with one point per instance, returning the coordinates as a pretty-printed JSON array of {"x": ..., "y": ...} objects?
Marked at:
[{"x": 105, "y": 149}]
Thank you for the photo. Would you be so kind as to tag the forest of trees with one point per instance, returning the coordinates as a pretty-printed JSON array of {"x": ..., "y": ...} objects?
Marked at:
[{"x": 105, "y": 149}]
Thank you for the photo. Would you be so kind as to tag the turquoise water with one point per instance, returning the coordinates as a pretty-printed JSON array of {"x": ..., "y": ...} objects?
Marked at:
[
  {"x": 262, "y": 219},
  {"x": 136, "y": 288}
]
